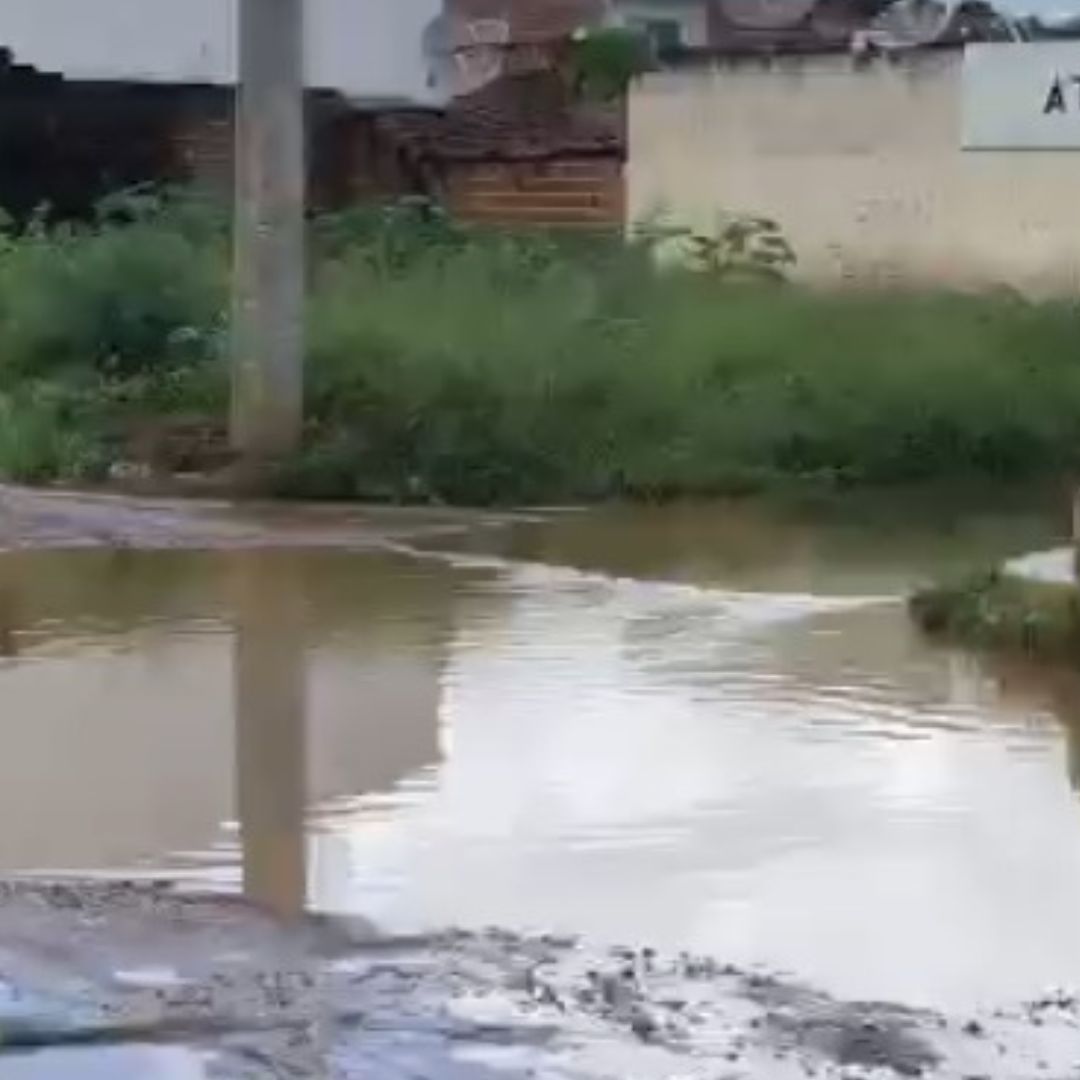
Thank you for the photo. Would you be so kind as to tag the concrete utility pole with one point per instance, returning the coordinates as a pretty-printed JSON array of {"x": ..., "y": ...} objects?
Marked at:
[{"x": 268, "y": 335}]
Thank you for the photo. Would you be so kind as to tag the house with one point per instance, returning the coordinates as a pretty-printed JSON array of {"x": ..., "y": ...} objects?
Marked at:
[
  {"x": 463, "y": 100},
  {"x": 515, "y": 144},
  {"x": 787, "y": 25},
  {"x": 906, "y": 158},
  {"x": 676, "y": 26},
  {"x": 104, "y": 95},
  {"x": 806, "y": 26}
]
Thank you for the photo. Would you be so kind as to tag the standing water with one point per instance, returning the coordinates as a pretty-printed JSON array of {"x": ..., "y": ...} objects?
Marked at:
[{"x": 704, "y": 728}]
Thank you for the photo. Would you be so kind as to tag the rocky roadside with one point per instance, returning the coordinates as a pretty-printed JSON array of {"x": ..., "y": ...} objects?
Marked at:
[{"x": 140, "y": 980}]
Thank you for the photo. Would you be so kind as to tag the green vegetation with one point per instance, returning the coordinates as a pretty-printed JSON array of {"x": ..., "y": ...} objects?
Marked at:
[
  {"x": 1001, "y": 612},
  {"x": 604, "y": 61},
  {"x": 469, "y": 367},
  {"x": 104, "y": 327}
]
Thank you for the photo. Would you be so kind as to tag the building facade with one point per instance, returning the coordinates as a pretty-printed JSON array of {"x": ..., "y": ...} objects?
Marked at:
[
  {"x": 866, "y": 165},
  {"x": 142, "y": 91},
  {"x": 516, "y": 145}
]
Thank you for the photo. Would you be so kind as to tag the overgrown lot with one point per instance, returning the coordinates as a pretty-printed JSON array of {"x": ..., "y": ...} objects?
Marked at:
[{"x": 470, "y": 367}]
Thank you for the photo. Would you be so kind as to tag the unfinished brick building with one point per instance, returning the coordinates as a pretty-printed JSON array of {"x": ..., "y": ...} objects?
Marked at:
[
  {"x": 516, "y": 145},
  {"x": 142, "y": 90},
  {"x": 474, "y": 112}
]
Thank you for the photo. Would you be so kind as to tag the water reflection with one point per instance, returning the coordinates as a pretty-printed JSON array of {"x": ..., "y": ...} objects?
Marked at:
[
  {"x": 181, "y": 710},
  {"x": 270, "y": 687},
  {"x": 1052, "y": 689},
  {"x": 9, "y": 647},
  {"x": 866, "y": 543},
  {"x": 653, "y": 749}
]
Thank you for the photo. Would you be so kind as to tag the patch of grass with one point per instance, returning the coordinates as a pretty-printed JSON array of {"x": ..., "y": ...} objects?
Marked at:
[
  {"x": 103, "y": 324},
  {"x": 463, "y": 366},
  {"x": 477, "y": 379},
  {"x": 997, "y": 611},
  {"x": 42, "y": 438},
  {"x": 116, "y": 298}
]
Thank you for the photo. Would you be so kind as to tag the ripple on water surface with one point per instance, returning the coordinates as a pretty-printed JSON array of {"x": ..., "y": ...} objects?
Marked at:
[{"x": 745, "y": 762}]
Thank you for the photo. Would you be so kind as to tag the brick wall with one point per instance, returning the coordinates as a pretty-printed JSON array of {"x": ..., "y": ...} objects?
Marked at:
[
  {"x": 351, "y": 161},
  {"x": 585, "y": 192},
  {"x": 201, "y": 143},
  {"x": 347, "y": 161}
]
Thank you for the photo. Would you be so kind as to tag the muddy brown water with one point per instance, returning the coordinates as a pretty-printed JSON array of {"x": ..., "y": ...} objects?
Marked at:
[{"x": 704, "y": 728}]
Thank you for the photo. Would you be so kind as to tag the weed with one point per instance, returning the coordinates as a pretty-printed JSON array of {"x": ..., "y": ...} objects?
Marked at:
[
  {"x": 997, "y": 611},
  {"x": 456, "y": 364}
]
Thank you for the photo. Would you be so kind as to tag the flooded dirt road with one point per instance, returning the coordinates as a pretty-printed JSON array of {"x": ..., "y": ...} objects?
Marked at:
[{"x": 707, "y": 729}]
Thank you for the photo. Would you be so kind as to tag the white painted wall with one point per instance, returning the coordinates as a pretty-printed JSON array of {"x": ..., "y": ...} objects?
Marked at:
[
  {"x": 692, "y": 16},
  {"x": 863, "y": 166},
  {"x": 370, "y": 50}
]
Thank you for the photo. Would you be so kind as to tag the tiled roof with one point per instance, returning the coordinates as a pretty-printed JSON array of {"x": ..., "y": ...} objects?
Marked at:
[
  {"x": 522, "y": 117},
  {"x": 531, "y": 21}
]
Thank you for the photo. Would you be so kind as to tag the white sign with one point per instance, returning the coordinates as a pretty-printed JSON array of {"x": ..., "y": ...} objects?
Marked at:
[{"x": 1022, "y": 96}]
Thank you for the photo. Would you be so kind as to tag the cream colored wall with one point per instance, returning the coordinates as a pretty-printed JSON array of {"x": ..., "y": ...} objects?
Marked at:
[{"x": 863, "y": 168}]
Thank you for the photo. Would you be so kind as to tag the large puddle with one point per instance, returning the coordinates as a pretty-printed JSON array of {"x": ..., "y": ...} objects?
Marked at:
[{"x": 707, "y": 729}]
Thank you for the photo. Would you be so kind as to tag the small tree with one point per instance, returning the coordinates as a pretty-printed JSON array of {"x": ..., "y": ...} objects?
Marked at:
[{"x": 604, "y": 61}]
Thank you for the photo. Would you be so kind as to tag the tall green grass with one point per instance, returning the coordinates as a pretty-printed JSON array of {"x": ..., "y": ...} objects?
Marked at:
[
  {"x": 466, "y": 367},
  {"x": 103, "y": 324},
  {"x": 465, "y": 380}
]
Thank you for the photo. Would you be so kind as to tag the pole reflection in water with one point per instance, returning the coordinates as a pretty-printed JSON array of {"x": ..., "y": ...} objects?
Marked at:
[
  {"x": 1066, "y": 705},
  {"x": 1052, "y": 687},
  {"x": 270, "y": 691},
  {"x": 9, "y": 644}
]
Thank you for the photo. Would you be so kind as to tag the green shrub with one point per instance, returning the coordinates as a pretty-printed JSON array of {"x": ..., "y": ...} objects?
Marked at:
[
  {"x": 393, "y": 238},
  {"x": 484, "y": 375},
  {"x": 117, "y": 298},
  {"x": 603, "y": 61},
  {"x": 105, "y": 323},
  {"x": 44, "y": 436},
  {"x": 466, "y": 365},
  {"x": 997, "y": 611}
]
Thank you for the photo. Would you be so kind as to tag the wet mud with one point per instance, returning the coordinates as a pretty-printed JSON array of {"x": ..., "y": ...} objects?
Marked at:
[{"x": 132, "y": 978}]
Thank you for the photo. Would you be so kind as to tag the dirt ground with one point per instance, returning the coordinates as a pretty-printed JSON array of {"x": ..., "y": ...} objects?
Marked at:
[
  {"x": 142, "y": 981},
  {"x": 39, "y": 519}
]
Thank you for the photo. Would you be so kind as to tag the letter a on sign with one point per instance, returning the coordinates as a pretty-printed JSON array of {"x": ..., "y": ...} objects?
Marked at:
[
  {"x": 1018, "y": 96},
  {"x": 1055, "y": 100}
]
